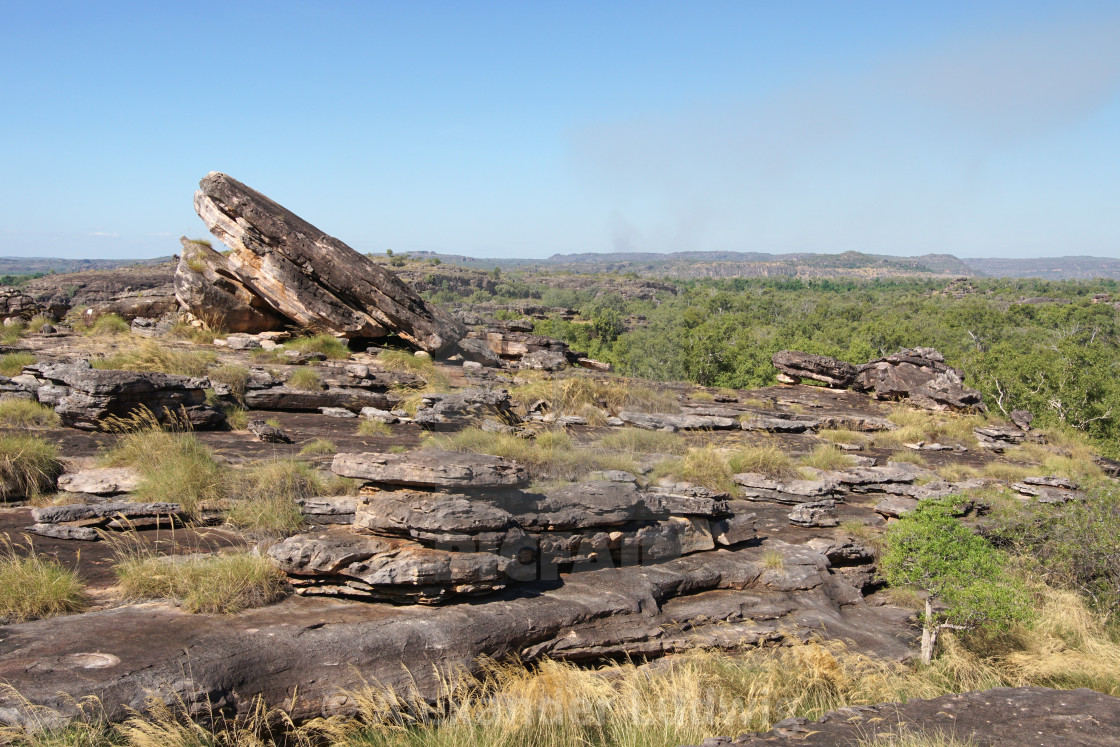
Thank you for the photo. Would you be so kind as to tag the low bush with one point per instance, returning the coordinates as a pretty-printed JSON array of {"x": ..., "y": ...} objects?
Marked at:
[
  {"x": 201, "y": 583},
  {"x": 28, "y": 466},
  {"x": 11, "y": 364},
  {"x": 34, "y": 586},
  {"x": 26, "y": 413}
]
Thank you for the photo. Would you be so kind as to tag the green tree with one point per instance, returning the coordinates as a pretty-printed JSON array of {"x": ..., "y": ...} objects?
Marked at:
[{"x": 931, "y": 550}]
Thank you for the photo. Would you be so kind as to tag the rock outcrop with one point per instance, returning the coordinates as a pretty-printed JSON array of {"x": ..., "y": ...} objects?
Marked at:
[
  {"x": 919, "y": 375},
  {"x": 312, "y": 278},
  {"x": 86, "y": 397}
]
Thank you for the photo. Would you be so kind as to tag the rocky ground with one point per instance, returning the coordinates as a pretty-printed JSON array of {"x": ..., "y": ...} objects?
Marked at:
[{"x": 510, "y": 498}]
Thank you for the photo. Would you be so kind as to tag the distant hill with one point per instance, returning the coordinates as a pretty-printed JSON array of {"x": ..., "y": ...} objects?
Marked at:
[
  {"x": 33, "y": 265},
  {"x": 1048, "y": 268}
]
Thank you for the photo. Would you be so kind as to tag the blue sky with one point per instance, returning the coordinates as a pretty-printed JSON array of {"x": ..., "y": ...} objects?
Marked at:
[{"x": 530, "y": 128}]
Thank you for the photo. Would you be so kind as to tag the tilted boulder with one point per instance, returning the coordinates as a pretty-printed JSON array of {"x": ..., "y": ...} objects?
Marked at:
[
  {"x": 795, "y": 366},
  {"x": 314, "y": 279},
  {"x": 207, "y": 287},
  {"x": 920, "y": 375}
]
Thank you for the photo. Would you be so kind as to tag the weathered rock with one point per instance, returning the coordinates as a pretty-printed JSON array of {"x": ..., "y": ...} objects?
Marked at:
[
  {"x": 831, "y": 371},
  {"x": 1022, "y": 418},
  {"x": 920, "y": 375},
  {"x": 101, "y": 481},
  {"x": 464, "y": 408},
  {"x": 285, "y": 398},
  {"x": 330, "y": 510},
  {"x": 206, "y": 286},
  {"x": 760, "y": 487},
  {"x": 1052, "y": 481},
  {"x": 64, "y": 531},
  {"x": 664, "y": 421},
  {"x": 93, "y": 395},
  {"x": 338, "y": 412},
  {"x": 16, "y": 303},
  {"x": 418, "y": 514},
  {"x": 998, "y": 437},
  {"x": 1002, "y": 716},
  {"x": 322, "y": 648},
  {"x": 814, "y": 514},
  {"x": 778, "y": 425},
  {"x": 268, "y": 433},
  {"x": 544, "y": 360},
  {"x": 312, "y": 278},
  {"x": 431, "y": 468},
  {"x": 109, "y": 510},
  {"x": 896, "y": 505}
]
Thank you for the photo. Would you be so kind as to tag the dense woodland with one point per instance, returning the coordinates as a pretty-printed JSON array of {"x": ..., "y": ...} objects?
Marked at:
[{"x": 1038, "y": 345}]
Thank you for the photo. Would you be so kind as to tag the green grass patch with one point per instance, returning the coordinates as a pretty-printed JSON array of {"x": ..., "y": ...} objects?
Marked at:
[
  {"x": 151, "y": 356},
  {"x": 34, "y": 586},
  {"x": 305, "y": 379},
  {"x": 373, "y": 428},
  {"x": 766, "y": 459},
  {"x": 828, "y": 458},
  {"x": 232, "y": 375},
  {"x": 569, "y": 395},
  {"x": 11, "y": 364},
  {"x": 38, "y": 322},
  {"x": 106, "y": 325},
  {"x": 328, "y": 345},
  {"x": 237, "y": 417},
  {"x": 26, "y": 413},
  {"x": 28, "y": 466},
  {"x": 318, "y": 447},
  {"x": 223, "y": 584},
  {"x": 641, "y": 441},
  {"x": 707, "y": 466},
  {"x": 264, "y": 496}
]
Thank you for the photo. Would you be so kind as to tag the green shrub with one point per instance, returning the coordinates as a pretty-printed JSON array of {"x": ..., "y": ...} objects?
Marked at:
[
  {"x": 26, "y": 413},
  {"x": 931, "y": 550},
  {"x": 33, "y": 586},
  {"x": 305, "y": 379},
  {"x": 223, "y": 584},
  {"x": 28, "y": 465},
  {"x": 11, "y": 364},
  {"x": 328, "y": 345}
]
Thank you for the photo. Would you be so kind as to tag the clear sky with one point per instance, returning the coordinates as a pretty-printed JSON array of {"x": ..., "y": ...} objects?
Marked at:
[{"x": 534, "y": 127}]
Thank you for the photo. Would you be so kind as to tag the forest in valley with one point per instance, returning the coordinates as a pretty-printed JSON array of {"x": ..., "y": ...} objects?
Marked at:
[{"x": 1051, "y": 347}]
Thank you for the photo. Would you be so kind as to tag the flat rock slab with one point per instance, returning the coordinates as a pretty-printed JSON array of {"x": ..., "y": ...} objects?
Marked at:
[
  {"x": 431, "y": 468},
  {"x": 662, "y": 421},
  {"x": 110, "y": 510},
  {"x": 102, "y": 481},
  {"x": 320, "y": 647},
  {"x": 1008, "y": 716}
]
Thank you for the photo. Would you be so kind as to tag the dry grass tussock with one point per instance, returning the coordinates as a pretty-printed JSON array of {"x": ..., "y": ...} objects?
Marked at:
[
  {"x": 28, "y": 466},
  {"x": 705, "y": 465},
  {"x": 641, "y": 441},
  {"x": 26, "y": 413},
  {"x": 10, "y": 334},
  {"x": 827, "y": 457},
  {"x": 234, "y": 376},
  {"x": 373, "y": 428},
  {"x": 328, "y": 345},
  {"x": 174, "y": 466},
  {"x": 552, "y": 455},
  {"x": 681, "y": 700},
  {"x": 202, "y": 583},
  {"x": 844, "y": 436},
  {"x": 33, "y": 586},
  {"x": 571, "y": 394},
  {"x": 767, "y": 459},
  {"x": 934, "y": 427},
  {"x": 263, "y": 498},
  {"x": 305, "y": 379},
  {"x": 11, "y": 364},
  {"x": 149, "y": 355}
]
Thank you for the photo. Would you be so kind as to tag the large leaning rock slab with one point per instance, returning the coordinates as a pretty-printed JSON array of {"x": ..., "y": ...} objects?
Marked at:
[
  {"x": 795, "y": 365},
  {"x": 207, "y": 287},
  {"x": 431, "y": 468},
  {"x": 312, "y": 278},
  {"x": 662, "y": 421}
]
